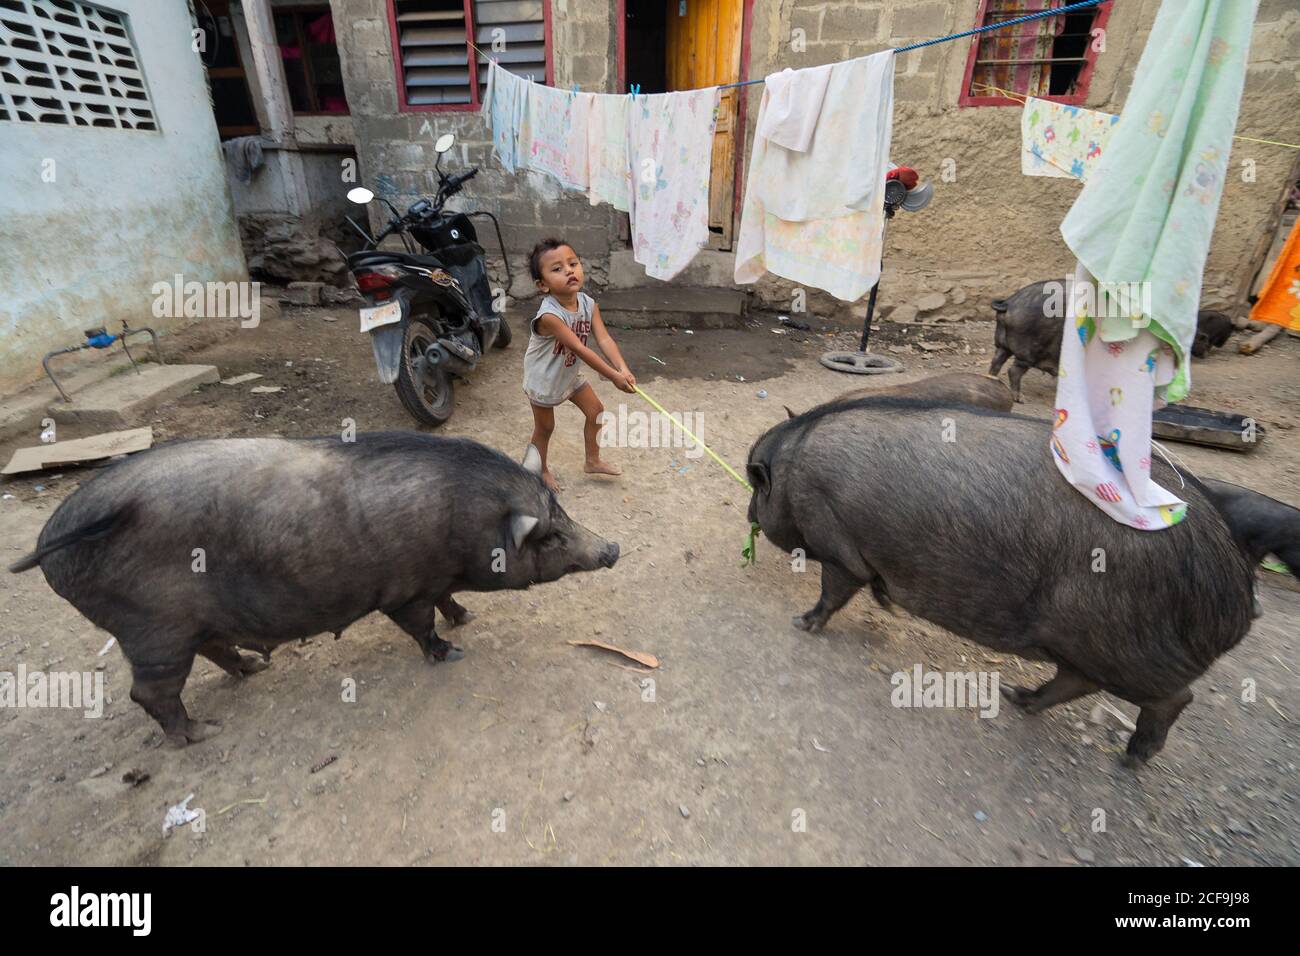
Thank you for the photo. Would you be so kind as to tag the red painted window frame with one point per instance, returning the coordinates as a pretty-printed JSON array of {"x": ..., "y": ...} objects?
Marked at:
[
  {"x": 1083, "y": 83},
  {"x": 475, "y": 103}
]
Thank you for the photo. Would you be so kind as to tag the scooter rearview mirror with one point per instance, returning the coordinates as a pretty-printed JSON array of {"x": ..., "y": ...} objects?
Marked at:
[
  {"x": 444, "y": 143},
  {"x": 360, "y": 195}
]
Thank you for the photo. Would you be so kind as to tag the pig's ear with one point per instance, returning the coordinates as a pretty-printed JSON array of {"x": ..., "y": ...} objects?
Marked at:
[
  {"x": 533, "y": 461},
  {"x": 758, "y": 475},
  {"x": 521, "y": 526}
]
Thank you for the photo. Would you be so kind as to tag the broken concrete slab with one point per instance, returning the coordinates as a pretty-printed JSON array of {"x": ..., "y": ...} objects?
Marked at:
[
  {"x": 302, "y": 293},
  {"x": 121, "y": 401},
  {"x": 94, "y": 448},
  {"x": 23, "y": 412},
  {"x": 241, "y": 379},
  {"x": 670, "y": 305}
]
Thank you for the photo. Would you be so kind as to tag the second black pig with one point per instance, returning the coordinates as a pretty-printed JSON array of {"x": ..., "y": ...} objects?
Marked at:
[{"x": 1030, "y": 322}]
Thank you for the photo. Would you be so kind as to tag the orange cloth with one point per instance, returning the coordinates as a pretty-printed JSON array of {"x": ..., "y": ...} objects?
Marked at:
[{"x": 1279, "y": 302}]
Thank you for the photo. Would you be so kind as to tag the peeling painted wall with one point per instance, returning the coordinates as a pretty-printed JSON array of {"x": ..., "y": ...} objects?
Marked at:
[{"x": 126, "y": 208}]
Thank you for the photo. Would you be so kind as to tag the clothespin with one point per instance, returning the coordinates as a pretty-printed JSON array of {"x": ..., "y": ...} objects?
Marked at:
[
  {"x": 636, "y": 90},
  {"x": 574, "y": 91}
]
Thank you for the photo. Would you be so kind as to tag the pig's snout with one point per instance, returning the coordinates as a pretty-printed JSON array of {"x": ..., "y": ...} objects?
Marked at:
[{"x": 608, "y": 556}]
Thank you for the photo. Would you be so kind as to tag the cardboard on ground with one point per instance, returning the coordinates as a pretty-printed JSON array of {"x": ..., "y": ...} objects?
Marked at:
[{"x": 80, "y": 449}]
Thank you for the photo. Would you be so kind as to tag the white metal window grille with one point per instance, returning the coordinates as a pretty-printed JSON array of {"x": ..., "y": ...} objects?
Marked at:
[{"x": 70, "y": 63}]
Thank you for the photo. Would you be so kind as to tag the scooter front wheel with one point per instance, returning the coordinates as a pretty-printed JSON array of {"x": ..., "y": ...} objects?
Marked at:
[{"x": 427, "y": 393}]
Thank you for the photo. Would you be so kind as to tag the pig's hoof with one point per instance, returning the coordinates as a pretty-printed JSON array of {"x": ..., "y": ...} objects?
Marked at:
[
  {"x": 463, "y": 616},
  {"x": 806, "y": 622},
  {"x": 195, "y": 730},
  {"x": 450, "y": 653},
  {"x": 1133, "y": 761},
  {"x": 1019, "y": 696},
  {"x": 251, "y": 665}
]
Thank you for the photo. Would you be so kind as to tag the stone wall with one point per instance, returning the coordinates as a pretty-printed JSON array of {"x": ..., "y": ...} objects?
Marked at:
[{"x": 990, "y": 229}]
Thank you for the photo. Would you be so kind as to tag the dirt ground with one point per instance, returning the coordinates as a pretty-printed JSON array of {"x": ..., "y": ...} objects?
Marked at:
[{"x": 531, "y": 751}]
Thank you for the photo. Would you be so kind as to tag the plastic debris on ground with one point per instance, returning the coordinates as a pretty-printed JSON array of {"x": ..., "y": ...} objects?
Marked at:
[{"x": 179, "y": 815}]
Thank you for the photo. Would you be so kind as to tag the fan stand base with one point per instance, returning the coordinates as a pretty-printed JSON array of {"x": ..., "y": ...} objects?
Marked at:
[{"x": 860, "y": 363}]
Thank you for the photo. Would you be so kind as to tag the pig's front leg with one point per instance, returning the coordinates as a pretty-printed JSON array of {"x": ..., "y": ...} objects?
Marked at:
[
  {"x": 838, "y": 587},
  {"x": 418, "y": 618},
  {"x": 455, "y": 614}
]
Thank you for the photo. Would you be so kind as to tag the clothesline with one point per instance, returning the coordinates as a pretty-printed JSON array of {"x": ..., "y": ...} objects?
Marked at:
[
  {"x": 1011, "y": 94},
  {"x": 1054, "y": 11},
  {"x": 1083, "y": 4}
]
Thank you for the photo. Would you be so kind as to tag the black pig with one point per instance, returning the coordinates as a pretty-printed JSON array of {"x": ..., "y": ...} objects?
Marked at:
[
  {"x": 981, "y": 535},
  {"x": 1025, "y": 330},
  {"x": 1212, "y": 332},
  {"x": 298, "y": 537},
  {"x": 1262, "y": 525},
  {"x": 1031, "y": 332}
]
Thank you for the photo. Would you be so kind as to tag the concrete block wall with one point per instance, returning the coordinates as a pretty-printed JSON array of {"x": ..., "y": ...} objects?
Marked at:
[
  {"x": 395, "y": 148},
  {"x": 990, "y": 229}
]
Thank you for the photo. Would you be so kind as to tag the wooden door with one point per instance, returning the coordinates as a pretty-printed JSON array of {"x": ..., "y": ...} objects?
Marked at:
[{"x": 704, "y": 50}]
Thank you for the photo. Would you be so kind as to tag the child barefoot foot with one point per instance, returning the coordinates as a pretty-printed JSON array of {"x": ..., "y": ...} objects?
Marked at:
[
  {"x": 599, "y": 467},
  {"x": 548, "y": 479}
]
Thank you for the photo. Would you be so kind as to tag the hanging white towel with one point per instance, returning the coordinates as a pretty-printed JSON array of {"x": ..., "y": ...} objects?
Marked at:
[
  {"x": 556, "y": 134},
  {"x": 670, "y": 145},
  {"x": 610, "y": 173},
  {"x": 502, "y": 110},
  {"x": 818, "y": 217},
  {"x": 794, "y": 104}
]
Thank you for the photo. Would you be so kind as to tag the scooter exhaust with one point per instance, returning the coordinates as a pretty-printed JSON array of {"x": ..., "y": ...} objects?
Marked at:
[{"x": 450, "y": 356}]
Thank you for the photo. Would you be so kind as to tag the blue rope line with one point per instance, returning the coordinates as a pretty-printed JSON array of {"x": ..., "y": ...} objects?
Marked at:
[{"x": 969, "y": 33}]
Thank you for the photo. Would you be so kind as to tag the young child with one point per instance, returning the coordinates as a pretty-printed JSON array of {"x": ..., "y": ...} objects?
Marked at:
[{"x": 565, "y": 320}]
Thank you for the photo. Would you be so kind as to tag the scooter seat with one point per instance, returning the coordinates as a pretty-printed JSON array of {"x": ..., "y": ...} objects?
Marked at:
[{"x": 374, "y": 257}]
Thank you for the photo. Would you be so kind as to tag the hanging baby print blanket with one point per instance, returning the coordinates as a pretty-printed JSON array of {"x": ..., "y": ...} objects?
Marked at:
[
  {"x": 610, "y": 170},
  {"x": 1141, "y": 230},
  {"x": 554, "y": 139},
  {"x": 816, "y": 216},
  {"x": 1063, "y": 141},
  {"x": 503, "y": 106},
  {"x": 670, "y": 145}
]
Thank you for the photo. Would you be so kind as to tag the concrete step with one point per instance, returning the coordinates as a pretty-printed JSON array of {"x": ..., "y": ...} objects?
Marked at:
[
  {"x": 22, "y": 413},
  {"x": 710, "y": 269},
  {"x": 672, "y": 305},
  {"x": 123, "y": 400}
]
